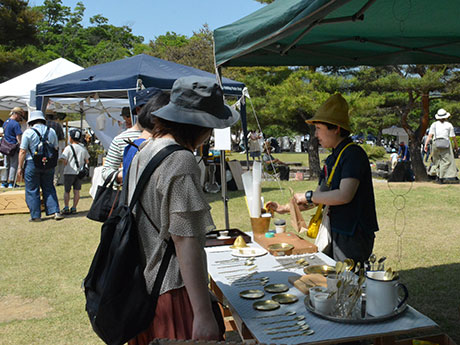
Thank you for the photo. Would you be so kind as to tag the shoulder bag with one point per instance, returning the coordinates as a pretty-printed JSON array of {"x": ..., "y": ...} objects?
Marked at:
[
  {"x": 117, "y": 301},
  {"x": 315, "y": 221},
  {"x": 6, "y": 147},
  {"x": 84, "y": 170},
  {"x": 440, "y": 143}
]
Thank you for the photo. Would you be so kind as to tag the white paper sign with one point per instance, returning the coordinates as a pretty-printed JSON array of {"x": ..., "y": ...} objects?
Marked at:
[{"x": 222, "y": 139}]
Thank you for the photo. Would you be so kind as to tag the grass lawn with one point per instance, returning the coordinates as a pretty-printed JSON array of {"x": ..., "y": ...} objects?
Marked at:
[{"x": 43, "y": 264}]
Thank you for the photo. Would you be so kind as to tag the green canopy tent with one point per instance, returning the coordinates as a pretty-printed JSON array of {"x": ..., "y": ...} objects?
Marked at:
[{"x": 342, "y": 32}]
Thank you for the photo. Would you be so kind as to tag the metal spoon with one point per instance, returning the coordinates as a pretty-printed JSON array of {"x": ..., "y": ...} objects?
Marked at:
[
  {"x": 297, "y": 318},
  {"x": 298, "y": 323},
  {"x": 388, "y": 275},
  {"x": 288, "y": 313},
  {"x": 349, "y": 264},
  {"x": 372, "y": 260},
  {"x": 338, "y": 267},
  {"x": 380, "y": 266},
  {"x": 302, "y": 328},
  {"x": 307, "y": 332}
]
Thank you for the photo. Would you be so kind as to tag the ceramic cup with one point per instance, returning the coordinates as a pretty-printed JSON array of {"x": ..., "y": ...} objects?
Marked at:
[
  {"x": 382, "y": 296},
  {"x": 315, "y": 290},
  {"x": 323, "y": 304},
  {"x": 280, "y": 225}
]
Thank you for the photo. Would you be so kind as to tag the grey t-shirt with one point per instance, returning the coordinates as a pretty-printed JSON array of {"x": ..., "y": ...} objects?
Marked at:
[{"x": 174, "y": 201}]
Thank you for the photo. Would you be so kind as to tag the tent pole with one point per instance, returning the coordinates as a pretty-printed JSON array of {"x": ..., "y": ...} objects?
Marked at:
[{"x": 223, "y": 175}]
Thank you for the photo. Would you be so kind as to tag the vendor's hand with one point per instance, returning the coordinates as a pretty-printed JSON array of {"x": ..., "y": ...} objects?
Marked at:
[
  {"x": 205, "y": 328},
  {"x": 273, "y": 206},
  {"x": 300, "y": 198}
]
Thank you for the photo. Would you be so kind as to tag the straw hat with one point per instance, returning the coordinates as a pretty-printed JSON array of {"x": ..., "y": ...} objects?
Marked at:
[
  {"x": 442, "y": 114},
  {"x": 333, "y": 111}
]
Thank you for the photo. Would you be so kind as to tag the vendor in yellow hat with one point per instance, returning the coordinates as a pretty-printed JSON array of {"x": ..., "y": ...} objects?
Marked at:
[{"x": 349, "y": 198}]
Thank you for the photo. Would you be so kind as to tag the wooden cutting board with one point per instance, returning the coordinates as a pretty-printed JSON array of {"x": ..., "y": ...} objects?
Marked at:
[
  {"x": 305, "y": 282},
  {"x": 301, "y": 246}
]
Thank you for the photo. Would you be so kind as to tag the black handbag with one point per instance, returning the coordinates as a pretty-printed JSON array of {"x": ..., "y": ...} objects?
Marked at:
[
  {"x": 105, "y": 201},
  {"x": 118, "y": 303},
  {"x": 83, "y": 171}
]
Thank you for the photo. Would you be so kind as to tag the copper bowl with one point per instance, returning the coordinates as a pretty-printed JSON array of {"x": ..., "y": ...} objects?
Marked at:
[{"x": 280, "y": 249}]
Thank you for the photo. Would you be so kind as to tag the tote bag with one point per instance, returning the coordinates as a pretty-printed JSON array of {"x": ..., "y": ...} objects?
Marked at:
[{"x": 105, "y": 201}]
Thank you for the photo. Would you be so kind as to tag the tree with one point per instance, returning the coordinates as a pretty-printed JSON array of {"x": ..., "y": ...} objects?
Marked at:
[{"x": 196, "y": 51}]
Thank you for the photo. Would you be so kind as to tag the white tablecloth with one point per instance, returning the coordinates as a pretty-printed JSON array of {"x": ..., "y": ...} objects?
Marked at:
[{"x": 325, "y": 330}]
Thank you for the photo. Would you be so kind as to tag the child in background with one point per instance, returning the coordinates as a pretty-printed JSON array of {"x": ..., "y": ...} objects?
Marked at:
[{"x": 71, "y": 178}]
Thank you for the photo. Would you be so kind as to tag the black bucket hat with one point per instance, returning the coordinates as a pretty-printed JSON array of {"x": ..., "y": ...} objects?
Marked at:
[{"x": 198, "y": 101}]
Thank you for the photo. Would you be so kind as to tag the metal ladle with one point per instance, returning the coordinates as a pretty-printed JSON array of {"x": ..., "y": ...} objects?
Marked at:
[
  {"x": 297, "y": 324},
  {"x": 380, "y": 265},
  {"x": 306, "y": 332},
  {"x": 288, "y": 313},
  {"x": 297, "y": 318},
  {"x": 302, "y": 328}
]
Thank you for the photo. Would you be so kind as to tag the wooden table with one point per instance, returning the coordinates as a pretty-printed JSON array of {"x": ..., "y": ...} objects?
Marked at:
[{"x": 326, "y": 332}]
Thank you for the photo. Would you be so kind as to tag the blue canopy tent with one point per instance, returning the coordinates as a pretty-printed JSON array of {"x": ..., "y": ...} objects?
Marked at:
[{"x": 122, "y": 78}]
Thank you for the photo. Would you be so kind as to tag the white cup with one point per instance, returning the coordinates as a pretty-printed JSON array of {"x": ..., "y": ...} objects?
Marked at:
[
  {"x": 382, "y": 296},
  {"x": 280, "y": 226},
  {"x": 315, "y": 290},
  {"x": 323, "y": 303},
  {"x": 332, "y": 280}
]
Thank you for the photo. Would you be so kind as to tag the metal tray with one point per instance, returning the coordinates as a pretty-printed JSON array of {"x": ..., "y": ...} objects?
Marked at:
[{"x": 365, "y": 319}]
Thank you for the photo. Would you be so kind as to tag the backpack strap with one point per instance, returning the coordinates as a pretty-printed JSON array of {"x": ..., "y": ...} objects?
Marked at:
[
  {"x": 39, "y": 138},
  {"x": 75, "y": 157},
  {"x": 149, "y": 169}
]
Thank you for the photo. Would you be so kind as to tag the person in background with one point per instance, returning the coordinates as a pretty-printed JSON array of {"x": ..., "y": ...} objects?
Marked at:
[
  {"x": 274, "y": 164},
  {"x": 426, "y": 155},
  {"x": 254, "y": 145},
  {"x": 393, "y": 159},
  {"x": 403, "y": 152},
  {"x": 158, "y": 99},
  {"x": 175, "y": 205},
  {"x": 443, "y": 158},
  {"x": 52, "y": 123},
  {"x": 34, "y": 178},
  {"x": 71, "y": 178},
  {"x": 350, "y": 198},
  {"x": 114, "y": 157},
  {"x": 12, "y": 134}
]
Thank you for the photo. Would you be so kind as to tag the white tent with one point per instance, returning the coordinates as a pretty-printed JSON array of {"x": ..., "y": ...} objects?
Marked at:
[{"x": 16, "y": 92}]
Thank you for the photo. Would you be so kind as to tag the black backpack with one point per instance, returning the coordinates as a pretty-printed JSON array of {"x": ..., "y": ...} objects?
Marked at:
[
  {"x": 117, "y": 302},
  {"x": 45, "y": 156}
]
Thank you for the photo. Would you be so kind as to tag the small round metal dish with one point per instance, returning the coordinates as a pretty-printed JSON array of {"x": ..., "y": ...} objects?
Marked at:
[
  {"x": 280, "y": 249},
  {"x": 321, "y": 269},
  {"x": 252, "y": 294},
  {"x": 366, "y": 319},
  {"x": 266, "y": 305},
  {"x": 276, "y": 288},
  {"x": 285, "y": 298}
]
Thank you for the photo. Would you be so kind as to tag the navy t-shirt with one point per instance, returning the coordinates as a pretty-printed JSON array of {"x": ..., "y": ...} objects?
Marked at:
[
  {"x": 11, "y": 129},
  {"x": 353, "y": 163}
]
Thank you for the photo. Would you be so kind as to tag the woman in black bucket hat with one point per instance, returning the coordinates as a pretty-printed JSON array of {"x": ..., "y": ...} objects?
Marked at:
[{"x": 173, "y": 200}]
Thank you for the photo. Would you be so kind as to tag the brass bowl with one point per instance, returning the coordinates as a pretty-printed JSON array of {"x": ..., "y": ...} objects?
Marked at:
[
  {"x": 280, "y": 249},
  {"x": 325, "y": 270},
  {"x": 252, "y": 294}
]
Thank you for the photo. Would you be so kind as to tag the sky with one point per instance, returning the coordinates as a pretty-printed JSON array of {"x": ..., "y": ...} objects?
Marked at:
[{"x": 152, "y": 18}]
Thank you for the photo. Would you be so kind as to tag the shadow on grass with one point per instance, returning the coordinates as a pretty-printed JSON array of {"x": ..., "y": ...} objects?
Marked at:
[{"x": 435, "y": 292}]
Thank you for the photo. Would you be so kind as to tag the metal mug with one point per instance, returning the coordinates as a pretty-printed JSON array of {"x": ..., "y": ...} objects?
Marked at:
[{"x": 382, "y": 296}]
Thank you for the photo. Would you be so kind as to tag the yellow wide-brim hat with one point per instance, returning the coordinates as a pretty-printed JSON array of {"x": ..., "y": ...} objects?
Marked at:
[{"x": 333, "y": 111}]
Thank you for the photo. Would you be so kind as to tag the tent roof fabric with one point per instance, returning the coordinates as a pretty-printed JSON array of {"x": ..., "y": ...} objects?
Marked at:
[
  {"x": 16, "y": 92},
  {"x": 342, "y": 32},
  {"x": 113, "y": 79}
]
